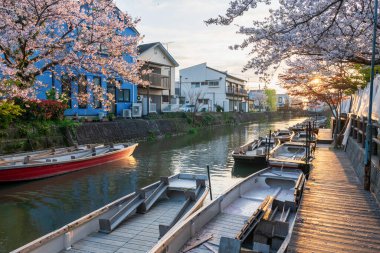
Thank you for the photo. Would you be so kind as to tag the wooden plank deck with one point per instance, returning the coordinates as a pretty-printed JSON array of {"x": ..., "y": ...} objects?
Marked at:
[
  {"x": 135, "y": 235},
  {"x": 325, "y": 136},
  {"x": 223, "y": 224},
  {"x": 336, "y": 214}
]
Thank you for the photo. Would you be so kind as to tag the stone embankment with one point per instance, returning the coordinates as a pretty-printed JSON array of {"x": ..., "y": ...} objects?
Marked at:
[
  {"x": 35, "y": 135},
  {"x": 141, "y": 129}
]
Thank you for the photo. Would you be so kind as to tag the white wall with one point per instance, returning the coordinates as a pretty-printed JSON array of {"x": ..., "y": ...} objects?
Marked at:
[
  {"x": 200, "y": 73},
  {"x": 155, "y": 55}
]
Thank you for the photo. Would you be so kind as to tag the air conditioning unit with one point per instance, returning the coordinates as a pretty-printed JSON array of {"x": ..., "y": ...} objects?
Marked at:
[
  {"x": 101, "y": 115},
  {"x": 127, "y": 113},
  {"x": 136, "y": 110}
]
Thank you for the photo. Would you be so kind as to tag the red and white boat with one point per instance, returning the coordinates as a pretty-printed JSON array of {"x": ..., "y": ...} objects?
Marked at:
[{"x": 48, "y": 163}]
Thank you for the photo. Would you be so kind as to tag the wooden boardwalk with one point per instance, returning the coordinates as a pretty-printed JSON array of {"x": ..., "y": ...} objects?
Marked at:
[
  {"x": 325, "y": 136},
  {"x": 336, "y": 214}
]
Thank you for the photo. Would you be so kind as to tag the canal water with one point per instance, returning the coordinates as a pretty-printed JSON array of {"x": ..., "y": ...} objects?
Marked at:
[{"x": 30, "y": 210}]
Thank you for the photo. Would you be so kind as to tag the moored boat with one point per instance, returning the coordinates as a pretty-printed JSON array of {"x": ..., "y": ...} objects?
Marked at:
[
  {"x": 258, "y": 212},
  {"x": 255, "y": 151},
  {"x": 133, "y": 223},
  {"x": 283, "y": 135},
  {"x": 48, "y": 163},
  {"x": 292, "y": 155},
  {"x": 301, "y": 136}
]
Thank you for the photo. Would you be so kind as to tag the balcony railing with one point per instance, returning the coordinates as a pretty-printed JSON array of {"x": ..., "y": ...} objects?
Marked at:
[
  {"x": 158, "y": 80},
  {"x": 237, "y": 91}
]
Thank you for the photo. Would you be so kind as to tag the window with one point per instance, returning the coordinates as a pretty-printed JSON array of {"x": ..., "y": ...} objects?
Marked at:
[
  {"x": 123, "y": 95},
  {"x": 165, "y": 99},
  {"x": 66, "y": 89},
  {"x": 213, "y": 83},
  {"x": 156, "y": 70},
  {"x": 203, "y": 83},
  {"x": 203, "y": 101},
  {"x": 195, "y": 84},
  {"x": 97, "y": 92},
  {"x": 82, "y": 92}
]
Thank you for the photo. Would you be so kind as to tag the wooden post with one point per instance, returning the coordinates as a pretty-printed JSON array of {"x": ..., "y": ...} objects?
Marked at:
[
  {"x": 209, "y": 180},
  {"x": 368, "y": 143}
]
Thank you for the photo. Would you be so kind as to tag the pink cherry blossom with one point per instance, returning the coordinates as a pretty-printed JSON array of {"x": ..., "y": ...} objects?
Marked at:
[{"x": 76, "y": 35}]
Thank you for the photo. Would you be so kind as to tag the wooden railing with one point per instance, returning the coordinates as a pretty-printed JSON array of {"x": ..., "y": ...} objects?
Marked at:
[
  {"x": 158, "y": 80},
  {"x": 358, "y": 133}
]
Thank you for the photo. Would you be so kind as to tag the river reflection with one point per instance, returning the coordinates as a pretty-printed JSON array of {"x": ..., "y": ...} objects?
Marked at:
[{"x": 30, "y": 210}]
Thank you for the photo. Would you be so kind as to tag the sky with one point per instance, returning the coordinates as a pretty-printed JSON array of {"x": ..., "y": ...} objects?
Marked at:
[{"x": 179, "y": 25}]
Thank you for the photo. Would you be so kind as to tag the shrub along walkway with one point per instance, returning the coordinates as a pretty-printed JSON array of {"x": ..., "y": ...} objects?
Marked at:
[{"x": 336, "y": 214}]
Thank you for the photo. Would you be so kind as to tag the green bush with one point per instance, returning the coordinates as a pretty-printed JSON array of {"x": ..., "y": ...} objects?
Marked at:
[
  {"x": 24, "y": 131},
  {"x": 219, "y": 108},
  {"x": 9, "y": 112},
  {"x": 193, "y": 130},
  {"x": 151, "y": 136}
]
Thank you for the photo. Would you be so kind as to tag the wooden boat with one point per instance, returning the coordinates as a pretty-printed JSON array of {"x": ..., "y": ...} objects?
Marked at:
[
  {"x": 257, "y": 213},
  {"x": 283, "y": 135},
  {"x": 255, "y": 151},
  {"x": 299, "y": 127},
  {"x": 132, "y": 223},
  {"x": 48, "y": 163},
  {"x": 302, "y": 135},
  {"x": 292, "y": 155}
]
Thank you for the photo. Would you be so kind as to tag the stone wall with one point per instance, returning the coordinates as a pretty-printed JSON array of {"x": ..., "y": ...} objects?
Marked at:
[
  {"x": 123, "y": 130},
  {"x": 33, "y": 136},
  {"x": 356, "y": 154},
  {"x": 128, "y": 130}
]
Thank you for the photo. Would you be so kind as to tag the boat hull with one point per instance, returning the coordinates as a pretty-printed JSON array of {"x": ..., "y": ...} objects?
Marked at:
[
  {"x": 259, "y": 159},
  {"x": 40, "y": 171}
]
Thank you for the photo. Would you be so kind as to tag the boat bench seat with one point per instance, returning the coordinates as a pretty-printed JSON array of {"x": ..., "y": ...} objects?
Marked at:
[{"x": 253, "y": 195}]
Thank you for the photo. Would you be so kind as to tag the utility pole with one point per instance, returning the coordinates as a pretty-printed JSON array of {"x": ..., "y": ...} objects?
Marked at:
[
  {"x": 368, "y": 143},
  {"x": 180, "y": 88}
]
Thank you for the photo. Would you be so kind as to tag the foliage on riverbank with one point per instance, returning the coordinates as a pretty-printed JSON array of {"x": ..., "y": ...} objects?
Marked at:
[
  {"x": 37, "y": 134},
  {"x": 34, "y": 135},
  {"x": 25, "y": 111}
]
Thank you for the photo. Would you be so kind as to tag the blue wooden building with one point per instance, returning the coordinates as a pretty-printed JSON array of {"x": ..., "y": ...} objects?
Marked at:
[{"x": 124, "y": 96}]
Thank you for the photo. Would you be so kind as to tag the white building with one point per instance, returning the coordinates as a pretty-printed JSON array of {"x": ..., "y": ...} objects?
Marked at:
[
  {"x": 258, "y": 100},
  {"x": 283, "y": 101},
  {"x": 162, "y": 77},
  {"x": 213, "y": 89}
]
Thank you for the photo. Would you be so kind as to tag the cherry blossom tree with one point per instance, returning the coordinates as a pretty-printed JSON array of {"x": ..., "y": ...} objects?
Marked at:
[
  {"x": 326, "y": 30},
  {"x": 325, "y": 82},
  {"x": 64, "y": 36}
]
